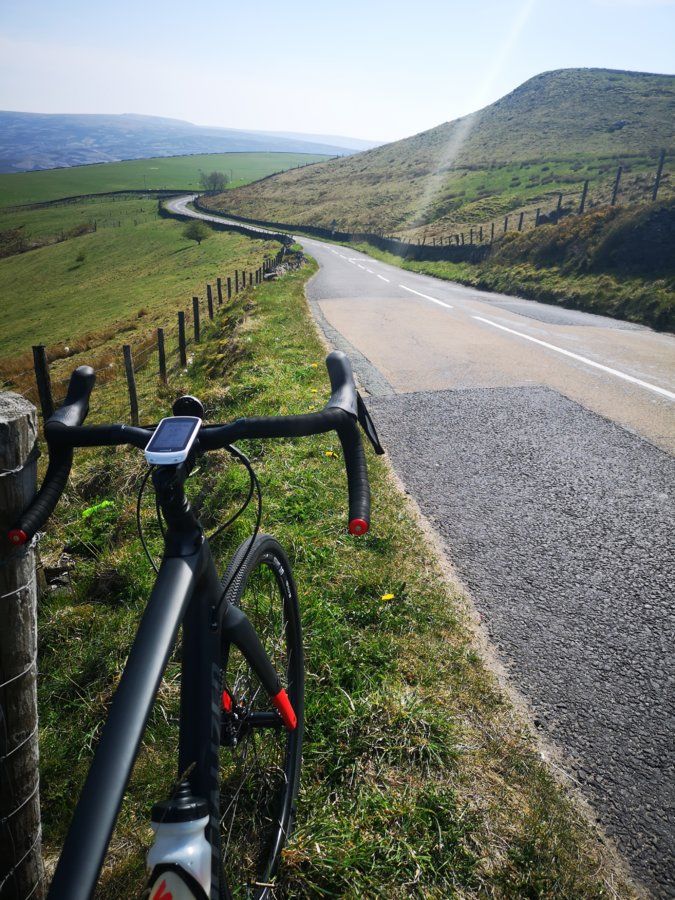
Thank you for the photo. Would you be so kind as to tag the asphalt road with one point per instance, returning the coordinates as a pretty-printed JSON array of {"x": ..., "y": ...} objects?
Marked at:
[{"x": 539, "y": 443}]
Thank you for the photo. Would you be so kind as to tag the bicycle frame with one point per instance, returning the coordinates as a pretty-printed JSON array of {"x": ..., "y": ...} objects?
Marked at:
[{"x": 188, "y": 591}]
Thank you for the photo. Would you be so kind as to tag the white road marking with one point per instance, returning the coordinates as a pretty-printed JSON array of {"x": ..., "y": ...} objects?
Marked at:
[
  {"x": 343, "y": 257},
  {"x": 426, "y": 297},
  {"x": 369, "y": 270},
  {"x": 360, "y": 266},
  {"x": 583, "y": 359},
  {"x": 383, "y": 278}
]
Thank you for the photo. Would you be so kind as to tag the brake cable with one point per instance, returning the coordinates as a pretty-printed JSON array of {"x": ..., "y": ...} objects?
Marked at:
[{"x": 254, "y": 485}]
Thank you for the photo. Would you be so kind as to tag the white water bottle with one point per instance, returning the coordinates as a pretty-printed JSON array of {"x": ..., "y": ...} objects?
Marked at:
[{"x": 179, "y": 861}]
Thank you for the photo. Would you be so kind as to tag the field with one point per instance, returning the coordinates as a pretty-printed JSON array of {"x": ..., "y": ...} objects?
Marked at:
[
  {"x": 112, "y": 285},
  {"x": 173, "y": 172}
]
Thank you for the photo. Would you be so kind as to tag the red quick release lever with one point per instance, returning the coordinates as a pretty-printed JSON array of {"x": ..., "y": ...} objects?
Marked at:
[
  {"x": 285, "y": 710},
  {"x": 358, "y": 526},
  {"x": 17, "y": 537}
]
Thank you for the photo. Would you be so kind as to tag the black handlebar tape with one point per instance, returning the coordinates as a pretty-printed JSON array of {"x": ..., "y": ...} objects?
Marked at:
[
  {"x": 56, "y": 478},
  {"x": 343, "y": 389},
  {"x": 357, "y": 477},
  {"x": 74, "y": 409},
  {"x": 72, "y": 412}
]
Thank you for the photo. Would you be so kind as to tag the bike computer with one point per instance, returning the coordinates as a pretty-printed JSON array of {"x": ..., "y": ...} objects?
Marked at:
[{"x": 172, "y": 440}]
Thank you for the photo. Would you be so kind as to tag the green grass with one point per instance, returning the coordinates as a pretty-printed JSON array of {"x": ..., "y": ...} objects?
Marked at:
[
  {"x": 548, "y": 136},
  {"x": 419, "y": 779},
  {"x": 173, "y": 172},
  {"x": 134, "y": 272}
]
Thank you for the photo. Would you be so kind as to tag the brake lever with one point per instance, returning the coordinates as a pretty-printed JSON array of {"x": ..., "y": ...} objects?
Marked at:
[{"x": 367, "y": 424}]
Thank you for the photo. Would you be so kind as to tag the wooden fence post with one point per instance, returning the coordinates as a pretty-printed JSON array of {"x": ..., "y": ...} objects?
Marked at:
[
  {"x": 20, "y": 831},
  {"x": 582, "y": 205},
  {"x": 250, "y": 279},
  {"x": 44, "y": 383},
  {"x": 558, "y": 210},
  {"x": 492, "y": 232},
  {"x": 506, "y": 223},
  {"x": 195, "y": 316},
  {"x": 219, "y": 291},
  {"x": 209, "y": 301},
  {"x": 161, "y": 354},
  {"x": 236, "y": 281},
  {"x": 659, "y": 172},
  {"x": 615, "y": 189},
  {"x": 480, "y": 234},
  {"x": 229, "y": 288},
  {"x": 536, "y": 217},
  {"x": 520, "y": 221},
  {"x": 182, "y": 348},
  {"x": 471, "y": 236},
  {"x": 131, "y": 383}
]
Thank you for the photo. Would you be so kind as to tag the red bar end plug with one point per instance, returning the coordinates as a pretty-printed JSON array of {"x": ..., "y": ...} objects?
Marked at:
[
  {"x": 17, "y": 537},
  {"x": 358, "y": 526}
]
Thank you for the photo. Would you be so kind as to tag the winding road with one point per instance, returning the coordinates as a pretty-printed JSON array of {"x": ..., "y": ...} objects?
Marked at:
[{"x": 539, "y": 443}]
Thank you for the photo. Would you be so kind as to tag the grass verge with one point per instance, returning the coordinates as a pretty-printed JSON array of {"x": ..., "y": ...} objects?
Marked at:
[
  {"x": 419, "y": 778},
  {"x": 631, "y": 298}
]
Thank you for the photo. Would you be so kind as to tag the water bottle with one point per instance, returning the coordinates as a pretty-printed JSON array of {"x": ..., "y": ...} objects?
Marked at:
[{"x": 179, "y": 861}]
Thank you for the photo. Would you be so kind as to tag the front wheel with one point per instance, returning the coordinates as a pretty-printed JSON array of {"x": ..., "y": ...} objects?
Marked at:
[{"x": 259, "y": 758}]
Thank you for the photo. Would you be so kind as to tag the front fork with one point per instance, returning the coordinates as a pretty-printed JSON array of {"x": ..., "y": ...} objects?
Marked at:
[{"x": 202, "y": 655}]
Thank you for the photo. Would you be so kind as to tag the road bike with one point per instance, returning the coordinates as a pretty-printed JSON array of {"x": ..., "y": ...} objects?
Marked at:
[{"x": 220, "y": 833}]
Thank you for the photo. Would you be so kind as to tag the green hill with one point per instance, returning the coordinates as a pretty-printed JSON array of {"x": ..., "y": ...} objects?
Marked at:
[{"x": 547, "y": 136}]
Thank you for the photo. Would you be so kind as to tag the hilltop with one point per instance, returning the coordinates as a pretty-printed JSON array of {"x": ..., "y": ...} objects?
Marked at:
[
  {"x": 548, "y": 135},
  {"x": 30, "y": 141}
]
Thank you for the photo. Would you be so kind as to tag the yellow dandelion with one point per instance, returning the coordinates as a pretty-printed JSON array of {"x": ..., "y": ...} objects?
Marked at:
[{"x": 387, "y": 596}]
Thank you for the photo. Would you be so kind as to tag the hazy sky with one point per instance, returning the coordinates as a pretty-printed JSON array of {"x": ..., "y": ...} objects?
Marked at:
[{"x": 379, "y": 69}]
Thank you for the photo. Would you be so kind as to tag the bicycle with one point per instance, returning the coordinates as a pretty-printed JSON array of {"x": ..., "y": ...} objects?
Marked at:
[{"x": 219, "y": 835}]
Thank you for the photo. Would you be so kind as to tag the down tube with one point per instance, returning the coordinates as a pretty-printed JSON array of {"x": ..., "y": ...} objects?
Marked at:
[{"x": 96, "y": 812}]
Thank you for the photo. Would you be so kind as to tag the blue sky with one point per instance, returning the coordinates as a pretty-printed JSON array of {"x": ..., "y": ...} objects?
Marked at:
[{"x": 370, "y": 69}]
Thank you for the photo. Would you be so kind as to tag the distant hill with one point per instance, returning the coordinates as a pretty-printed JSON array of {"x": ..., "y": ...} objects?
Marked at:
[
  {"x": 548, "y": 135},
  {"x": 30, "y": 141}
]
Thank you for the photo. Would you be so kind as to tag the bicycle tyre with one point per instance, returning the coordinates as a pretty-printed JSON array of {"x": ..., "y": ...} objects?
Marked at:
[{"x": 259, "y": 775}]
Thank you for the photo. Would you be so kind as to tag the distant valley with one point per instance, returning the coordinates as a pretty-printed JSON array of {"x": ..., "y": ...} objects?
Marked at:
[{"x": 31, "y": 141}]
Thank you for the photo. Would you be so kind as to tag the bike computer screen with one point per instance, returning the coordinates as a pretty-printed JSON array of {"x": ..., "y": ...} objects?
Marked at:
[{"x": 172, "y": 440}]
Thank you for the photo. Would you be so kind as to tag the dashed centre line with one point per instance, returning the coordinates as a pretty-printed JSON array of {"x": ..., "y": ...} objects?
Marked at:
[
  {"x": 383, "y": 278},
  {"x": 427, "y": 297},
  {"x": 583, "y": 359}
]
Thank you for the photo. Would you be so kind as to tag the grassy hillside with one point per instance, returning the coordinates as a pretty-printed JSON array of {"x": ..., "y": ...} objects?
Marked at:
[
  {"x": 133, "y": 272},
  {"x": 548, "y": 135},
  {"x": 180, "y": 172}
]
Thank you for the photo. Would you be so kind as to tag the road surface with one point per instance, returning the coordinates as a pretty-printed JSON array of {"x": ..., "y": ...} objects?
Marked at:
[{"x": 539, "y": 443}]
